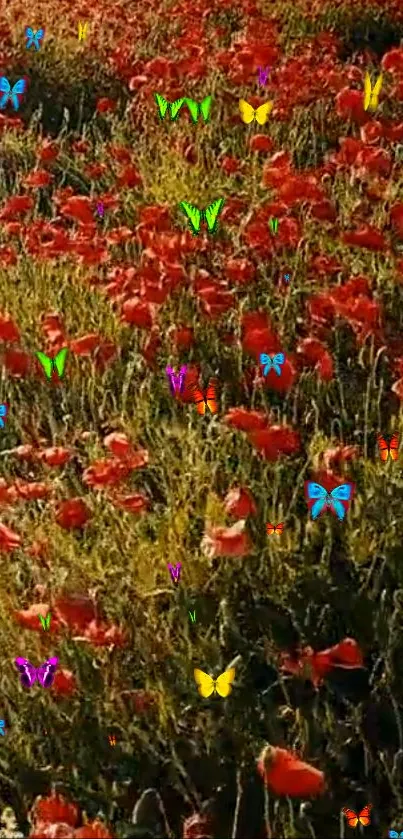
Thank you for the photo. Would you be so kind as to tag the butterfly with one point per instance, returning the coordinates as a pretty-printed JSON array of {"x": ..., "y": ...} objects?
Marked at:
[
  {"x": 210, "y": 215},
  {"x": 29, "y": 674},
  {"x": 57, "y": 363},
  {"x": 206, "y": 685},
  {"x": 385, "y": 450},
  {"x": 176, "y": 382},
  {"x": 45, "y": 621},
  {"x": 82, "y": 30},
  {"x": 203, "y": 108},
  {"x": 33, "y": 38},
  {"x": 210, "y": 399},
  {"x": 272, "y": 362},
  {"x": 371, "y": 95},
  {"x": 261, "y": 114},
  {"x": 363, "y": 818},
  {"x": 263, "y": 75},
  {"x": 163, "y": 105},
  {"x": 325, "y": 500},
  {"x": 274, "y": 528},
  {"x": 3, "y": 413},
  {"x": 393, "y": 834},
  {"x": 8, "y": 93}
]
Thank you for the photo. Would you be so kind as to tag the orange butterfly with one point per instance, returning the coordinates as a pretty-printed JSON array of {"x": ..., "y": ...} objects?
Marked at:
[
  {"x": 392, "y": 449},
  {"x": 274, "y": 528},
  {"x": 363, "y": 817},
  {"x": 210, "y": 399}
]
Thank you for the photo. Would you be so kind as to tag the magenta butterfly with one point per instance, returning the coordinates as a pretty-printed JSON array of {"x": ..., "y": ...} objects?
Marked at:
[
  {"x": 176, "y": 381},
  {"x": 29, "y": 674}
]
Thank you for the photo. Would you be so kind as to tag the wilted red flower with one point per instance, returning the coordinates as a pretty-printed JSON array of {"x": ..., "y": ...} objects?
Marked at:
[
  {"x": 240, "y": 503},
  {"x": 142, "y": 700},
  {"x": 135, "y": 503},
  {"x": 55, "y": 808},
  {"x": 245, "y": 420},
  {"x": 315, "y": 354},
  {"x": 8, "y": 255},
  {"x": 286, "y": 774},
  {"x": 118, "y": 444},
  {"x": 31, "y": 490},
  {"x": 104, "y": 635},
  {"x": 72, "y": 513},
  {"x": 94, "y": 830},
  {"x": 64, "y": 683},
  {"x": 130, "y": 176},
  {"x": 275, "y": 441},
  {"x": 55, "y": 456},
  {"x": 240, "y": 271},
  {"x": 334, "y": 458},
  {"x": 314, "y": 666},
  {"x": 9, "y": 540},
  {"x": 226, "y": 541},
  {"x": 86, "y": 344}
]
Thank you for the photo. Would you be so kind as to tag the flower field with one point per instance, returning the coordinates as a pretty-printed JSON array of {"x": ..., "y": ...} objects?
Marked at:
[{"x": 108, "y": 475}]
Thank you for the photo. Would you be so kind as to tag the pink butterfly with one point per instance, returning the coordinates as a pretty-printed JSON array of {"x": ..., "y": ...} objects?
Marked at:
[
  {"x": 29, "y": 674},
  {"x": 176, "y": 382}
]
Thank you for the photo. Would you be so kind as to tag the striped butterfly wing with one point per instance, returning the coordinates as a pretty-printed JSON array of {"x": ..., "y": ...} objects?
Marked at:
[
  {"x": 365, "y": 816},
  {"x": 351, "y": 817},
  {"x": 394, "y": 447},
  {"x": 383, "y": 448},
  {"x": 211, "y": 397},
  {"x": 198, "y": 399}
]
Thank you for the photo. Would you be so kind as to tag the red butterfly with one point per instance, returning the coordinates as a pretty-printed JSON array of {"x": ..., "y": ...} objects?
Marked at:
[
  {"x": 392, "y": 449},
  {"x": 363, "y": 817},
  {"x": 274, "y": 528},
  {"x": 210, "y": 399}
]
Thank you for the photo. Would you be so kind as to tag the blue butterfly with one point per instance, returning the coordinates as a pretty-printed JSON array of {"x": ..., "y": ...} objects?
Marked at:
[
  {"x": 272, "y": 361},
  {"x": 328, "y": 500},
  {"x": 3, "y": 413},
  {"x": 19, "y": 88},
  {"x": 33, "y": 37},
  {"x": 394, "y": 835}
]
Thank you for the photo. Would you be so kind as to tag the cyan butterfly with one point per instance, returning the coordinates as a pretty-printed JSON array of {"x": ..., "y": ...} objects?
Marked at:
[
  {"x": 33, "y": 38},
  {"x": 324, "y": 500},
  {"x": 272, "y": 362},
  {"x": 13, "y": 94},
  {"x": 393, "y": 834},
  {"x": 3, "y": 413}
]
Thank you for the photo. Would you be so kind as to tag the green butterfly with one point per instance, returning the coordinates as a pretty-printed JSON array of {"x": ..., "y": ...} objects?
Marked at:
[
  {"x": 203, "y": 108},
  {"x": 45, "y": 621},
  {"x": 210, "y": 215},
  {"x": 163, "y": 105},
  {"x": 57, "y": 363}
]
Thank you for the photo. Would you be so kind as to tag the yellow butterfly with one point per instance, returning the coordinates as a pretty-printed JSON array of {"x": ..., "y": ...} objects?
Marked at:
[
  {"x": 261, "y": 114},
  {"x": 371, "y": 96},
  {"x": 206, "y": 685}
]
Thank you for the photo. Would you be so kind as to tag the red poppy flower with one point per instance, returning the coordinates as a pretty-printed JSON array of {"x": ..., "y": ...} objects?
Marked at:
[
  {"x": 261, "y": 142},
  {"x": 337, "y": 457},
  {"x": 107, "y": 472},
  {"x": 29, "y": 618},
  {"x": 284, "y": 382},
  {"x": 9, "y": 540},
  {"x": 315, "y": 354},
  {"x": 16, "y": 206},
  {"x": 8, "y": 255},
  {"x": 239, "y": 503},
  {"x": 86, "y": 344},
  {"x": 136, "y": 503},
  {"x": 72, "y": 513},
  {"x": 64, "y": 683},
  {"x": 55, "y": 808},
  {"x": 245, "y": 420},
  {"x": 55, "y": 456},
  {"x": 257, "y": 334},
  {"x": 142, "y": 700},
  {"x": 240, "y": 271},
  {"x": 32, "y": 490},
  {"x": 94, "y": 830},
  {"x": 48, "y": 151},
  {"x": 286, "y": 774},
  {"x": 53, "y": 329},
  {"x": 8, "y": 494},
  {"x": 138, "y": 313},
  {"x": 39, "y": 178},
  {"x": 8, "y": 329},
  {"x": 104, "y": 635},
  {"x": 315, "y": 665},
  {"x": 275, "y": 441},
  {"x": 79, "y": 208},
  {"x": 182, "y": 337},
  {"x": 366, "y": 236},
  {"x": 392, "y": 61},
  {"x": 130, "y": 177},
  {"x": 396, "y": 217},
  {"x": 75, "y": 610},
  {"x": 350, "y": 105},
  {"x": 226, "y": 541},
  {"x": 104, "y": 105}
]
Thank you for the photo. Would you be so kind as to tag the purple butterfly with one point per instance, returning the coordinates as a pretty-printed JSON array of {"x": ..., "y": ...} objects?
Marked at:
[
  {"x": 45, "y": 673},
  {"x": 176, "y": 382},
  {"x": 263, "y": 75}
]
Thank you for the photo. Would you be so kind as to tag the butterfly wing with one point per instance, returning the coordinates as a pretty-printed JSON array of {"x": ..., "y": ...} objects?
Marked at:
[
  {"x": 46, "y": 362},
  {"x": 175, "y": 107},
  {"x": 211, "y": 397},
  {"x": 351, "y": 817},
  {"x": 193, "y": 108},
  {"x": 376, "y": 91},
  {"x": 3, "y": 413},
  {"x": 266, "y": 361},
  {"x": 262, "y": 113},
  {"x": 27, "y": 671},
  {"x": 365, "y": 816},
  {"x": 29, "y": 32},
  {"x": 341, "y": 493},
  {"x": 394, "y": 446},
  {"x": 246, "y": 111},
  {"x": 316, "y": 492},
  {"x": 205, "y": 683},
  {"x": 393, "y": 834},
  {"x": 270, "y": 529},
  {"x": 198, "y": 399},
  {"x": 38, "y": 37},
  {"x": 212, "y": 212},
  {"x": 162, "y": 105},
  {"x": 383, "y": 448},
  {"x": 60, "y": 361},
  {"x": 367, "y": 91},
  {"x": 46, "y": 672},
  {"x": 47, "y": 620},
  {"x": 278, "y": 360},
  {"x": 193, "y": 214},
  {"x": 18, "y": 90},
  {"x": 279, "y": 527},
  {"x": 5, "y": 89},
  {"x": 224, "y": 682},
  {"x": 43, "y": 621},
  {"x": 205, "y": 107}
]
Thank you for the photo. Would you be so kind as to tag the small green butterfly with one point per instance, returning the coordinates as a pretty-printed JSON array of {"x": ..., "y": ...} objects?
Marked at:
[
  {"x": 163, "y": 105},
  {"x": 45, "y": 621},
  {"x": 196, "y": 109},
  {"x": 57, "y": 363},
  {"x": 210, "y": 215}
]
